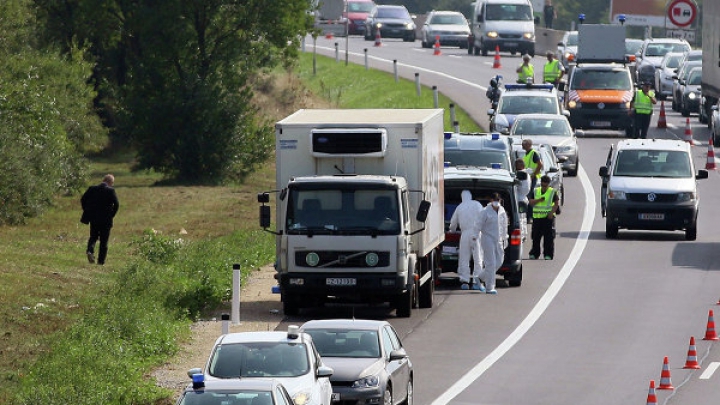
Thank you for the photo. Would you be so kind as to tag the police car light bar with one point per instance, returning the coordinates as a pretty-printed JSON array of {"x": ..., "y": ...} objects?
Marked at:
[{"x": 547, "y": 87}]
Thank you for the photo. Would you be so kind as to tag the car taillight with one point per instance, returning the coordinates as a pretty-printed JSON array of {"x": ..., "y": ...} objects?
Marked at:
[
  {"x": 515, "y": 237},
  {"x": 452, "y": 237}
]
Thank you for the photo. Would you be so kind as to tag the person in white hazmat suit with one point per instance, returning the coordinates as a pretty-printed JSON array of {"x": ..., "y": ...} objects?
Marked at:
[
  {"x": 493, "y": 226},
  {"x": 522, "y": 189},
  {"x": 465, "y": 218}
]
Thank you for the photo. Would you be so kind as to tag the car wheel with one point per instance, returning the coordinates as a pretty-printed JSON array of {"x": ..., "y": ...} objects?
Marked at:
[
  {"x": 409, "y": 398},
  {"x": 691, "y": 233},
  {"x": 674, "y": 105},
  {"x": 573, "y": 173},
  {"x": 611, "y": 229},
  {"x": 516, "y": 279},
  {"x": 684, "y": 111},
  {"x": 387, "y": 395},
  {"x": 716, "y": 138}
]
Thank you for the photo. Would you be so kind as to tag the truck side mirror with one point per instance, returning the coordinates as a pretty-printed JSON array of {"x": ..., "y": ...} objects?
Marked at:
[
  {"x": 264, "y": 216},
  {"x": 603, "y": 172},
  {"x": 423, "y": 211}
]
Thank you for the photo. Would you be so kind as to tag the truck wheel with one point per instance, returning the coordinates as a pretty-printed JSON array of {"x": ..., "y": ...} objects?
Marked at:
[
  {"x": 515, "y": 280},
  {"x": 427, "y": 290},
  {"x": 611, "y": 230},
  {"x": 404, "y": 303},
  {"x": 291, "y": 305},
  {"x": 691, "y": 233}
]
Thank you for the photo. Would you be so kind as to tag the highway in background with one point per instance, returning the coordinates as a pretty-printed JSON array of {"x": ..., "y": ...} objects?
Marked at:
[{"x": 593, "y": 325}]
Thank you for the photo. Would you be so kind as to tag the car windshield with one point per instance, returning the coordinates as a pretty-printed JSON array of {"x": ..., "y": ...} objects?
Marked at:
[
  {"x": 528, "y": 105},
  {"x": 346, "y": 343},
  {"x": 456, "y": 19},
  {"x": 259, "y": 359},
  {"x": 631, "y": 47},
  {"x": 478, "y": 158},
  {"x": 393, "y": 12},
  {"x": 572, "y": 39},
  {"x": 661, "y": 49},
  {"x": 653, "y": 163},
  {"x": 504, "y": 12},
  {"x": 695, "y": 77},
  {"x": 584, "y": 79},
  {"x": 673, "y": 61},
  {"x": 687, "y": 67},
  {"x": 542, "y": 126},
  {"x": 359, "y": 6},
  {"x": 203, "y": 397}
]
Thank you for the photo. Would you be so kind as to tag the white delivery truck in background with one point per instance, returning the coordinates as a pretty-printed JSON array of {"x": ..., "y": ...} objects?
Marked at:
[
  {"x": 710, "y": 84},
  {"x": 359, "y": 207}
]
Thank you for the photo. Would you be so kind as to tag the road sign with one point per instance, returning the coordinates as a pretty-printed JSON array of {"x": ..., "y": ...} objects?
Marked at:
[{"x": 682, "y": 13}]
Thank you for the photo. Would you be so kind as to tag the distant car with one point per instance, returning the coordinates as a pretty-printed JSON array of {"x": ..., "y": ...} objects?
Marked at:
[
  {"x": 254, "y": 391},
  {"x": 289, "y": 357},
  {"x": 651, "y": 53},
  {"x": 479, "y": 150},
  {"x": 679, "y": 78},
  {"x": 632, "y": 46},
  {"x": 357, "y": 13},
  {"x": 369, "y": 361},
  {"x": 524, "y": 99},
  {"x": 664, "y": 75},
  {"x": 690, "y": 99},
  {"x": 392, "y": 22},
  {"x": 551, "y": 166},
  {"x": 450, "y": 27},
  {"x": 553, "y": 130},
  {"x": 567, "y": 48},
  {"x": 714, "y": 122}
]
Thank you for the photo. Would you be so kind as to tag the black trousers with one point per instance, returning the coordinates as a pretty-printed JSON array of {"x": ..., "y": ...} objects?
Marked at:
[
  {"x": 642, "y": 123},
  {"x": 102, "y": 233},
  {"x": 543, "y": 230}
]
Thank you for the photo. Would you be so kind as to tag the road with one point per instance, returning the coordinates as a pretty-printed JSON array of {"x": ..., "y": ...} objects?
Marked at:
[{"x": 593, "y": 325}]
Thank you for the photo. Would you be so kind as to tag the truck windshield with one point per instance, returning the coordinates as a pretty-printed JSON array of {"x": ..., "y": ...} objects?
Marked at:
[
  {"x": 585, "y": 79},
  {"x": 343, "y": 211},
  {"x": 653, "y": 163},
  {"x": 505, "y": 12}
]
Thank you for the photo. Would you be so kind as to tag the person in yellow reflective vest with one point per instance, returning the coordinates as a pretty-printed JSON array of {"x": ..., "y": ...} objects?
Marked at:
[
  {"x": 642, "y": 107},
  {"x": 545, "y": 204},
  {"x": 526, "y": 71},
  {"x": 534, "y": 166},
  {"x": 553, "y": 70}
]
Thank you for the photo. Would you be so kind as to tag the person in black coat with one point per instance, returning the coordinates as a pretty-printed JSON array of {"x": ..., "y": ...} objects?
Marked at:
[{"x": 99, "y": 204}]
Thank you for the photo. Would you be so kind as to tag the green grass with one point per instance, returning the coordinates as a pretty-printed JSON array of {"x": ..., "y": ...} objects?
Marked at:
[{"x": 78, "y": 333}]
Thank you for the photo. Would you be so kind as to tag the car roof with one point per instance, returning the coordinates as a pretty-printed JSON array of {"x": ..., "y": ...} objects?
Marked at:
[
  {"x": 245, "y": 384},
  {"x": 540, "y": 117},
  {"x": 653, "y": 144},
  {"x": 390, "y": 6},
  {"x": 361, "y": 324},
  {"x": 667, "y": 40},
  {"x": 477, "y": 141},
  {"x": 244, "y": 337},
  {"x": 463, "y": 172},
  {"x": 601, "y": 66}
]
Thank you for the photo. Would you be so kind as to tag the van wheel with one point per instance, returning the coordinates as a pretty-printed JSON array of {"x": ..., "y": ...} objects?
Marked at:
[
  {"x": 516, "y": 279},
  {"x": 691, "y": 233},
  {"x": 611, "y": 230}
]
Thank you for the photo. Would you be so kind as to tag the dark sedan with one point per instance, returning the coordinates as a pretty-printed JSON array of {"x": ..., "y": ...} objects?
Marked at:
[
  {"x": 392, "y": 22},
  {"x": 369, "y": 361}
]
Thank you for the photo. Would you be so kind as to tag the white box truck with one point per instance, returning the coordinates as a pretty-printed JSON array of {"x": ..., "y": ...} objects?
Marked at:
[
  {"x": 359, "y": 207},
  {"x": 710, "y": 84}
]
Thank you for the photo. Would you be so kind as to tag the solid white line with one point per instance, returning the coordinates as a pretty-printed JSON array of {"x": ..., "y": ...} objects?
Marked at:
[
  {"x": 709, "y": 371},
  {"x": 540, "y": 307}
]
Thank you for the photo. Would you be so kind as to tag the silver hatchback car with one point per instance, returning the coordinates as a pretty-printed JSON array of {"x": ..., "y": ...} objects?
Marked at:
[{"x": 554, "y": 130}]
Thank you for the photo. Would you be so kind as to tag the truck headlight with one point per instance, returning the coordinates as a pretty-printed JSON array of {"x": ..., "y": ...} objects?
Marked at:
[
  {"x": 686, "y": 196},
  {"x": 574, "y": 104},
  {"x": 616, "y": 195},
  {"x": 367, "y": 382}
]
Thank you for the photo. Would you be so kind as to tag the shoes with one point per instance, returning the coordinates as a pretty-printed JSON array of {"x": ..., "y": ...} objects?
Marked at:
[
  {"x": 548, "y": 257},
  {"x": 91, "y": 257},
  {"x": 464, "y": 286},
  {"x": 532, "y": 257},
  {"x": 492, "y": 292},
  {"x": 478, "y": 287}
]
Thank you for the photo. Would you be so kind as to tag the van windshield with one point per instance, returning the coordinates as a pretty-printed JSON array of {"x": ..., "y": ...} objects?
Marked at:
[
  {"x": 508, "y": 12},
  {"x": 478, "y": 158},
  {"x": 584, "y": 79},
  {"x": 653, "y": 163}
]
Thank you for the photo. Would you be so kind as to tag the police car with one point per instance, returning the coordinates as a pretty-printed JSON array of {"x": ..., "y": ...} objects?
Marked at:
[
  {"x": 289, "y": 357},
  {"x": 256, "y": 391},
  {"x": 524, "y": 99}
]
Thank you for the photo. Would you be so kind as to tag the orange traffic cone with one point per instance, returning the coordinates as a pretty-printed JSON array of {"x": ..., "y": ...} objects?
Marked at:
[
  {"x": 691, "y": 361},
  {"x": 652, "y": 398},
  {"x": 378, "y": 38},
  {"x": 437, "y": 45},
  {"x": 665, "y": 383},
  {"x": 496, "y": 61},
  {"x": 710, "y": 333},
  {"x": 710, "y": 165},
  {"x": 688, "y": 132},
  {"x": 662, "y": 121}
]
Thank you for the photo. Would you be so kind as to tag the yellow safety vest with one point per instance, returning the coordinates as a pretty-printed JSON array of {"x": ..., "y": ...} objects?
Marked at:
[
  {"x": 525, "y": 72},
  {"x": 544, "y": 208},
  {"x": 643, "y": 103},
  {"x": 530, "y": 163},
  {"x": 551, "y": 71}
]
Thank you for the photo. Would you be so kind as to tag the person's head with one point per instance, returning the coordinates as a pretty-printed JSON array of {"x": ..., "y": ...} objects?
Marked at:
[
  {"x": 545, "y": 181},
  {"x": 646, "y": 86},
  {"x": 527, "y": 145},
  {"x": 466, "y": 195},
  {"x": 550, "y": 55},
  {"x": 495, "y": 201},
  {"x": 109, "y": 179},
  {"x": 519, "y": 164},
  {"x": 548, "y": 2},
  {"x": 526, "y": 58}
]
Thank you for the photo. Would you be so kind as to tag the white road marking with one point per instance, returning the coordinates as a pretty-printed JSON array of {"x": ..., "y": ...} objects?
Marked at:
[
  {"x": 540, "y": 307},
  {"x": 709, "y": 371}
]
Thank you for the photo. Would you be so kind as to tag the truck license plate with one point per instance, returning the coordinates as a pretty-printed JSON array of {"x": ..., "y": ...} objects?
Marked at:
[
  {"x": 341, "y": 281},
  {"x": 600, "y": 124},
  {"x": 653, "y": 217},
  {"x": 335, "y": 397},
  {"x": 452, "y": 250}
]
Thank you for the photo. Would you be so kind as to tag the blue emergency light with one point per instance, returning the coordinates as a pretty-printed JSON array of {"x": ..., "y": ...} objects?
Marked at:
[
  {"x": 495, "y": 136},
  {"x": 581, "y": 17},
  {"x": 622, "y": 18},
  {"x": 446, "y": 164},
  {"x": 198, "y": 381},
  {"x": 495, "y": 166},
  {"x": 448, "y": 135},
  {"x": 511, "y": 87}
]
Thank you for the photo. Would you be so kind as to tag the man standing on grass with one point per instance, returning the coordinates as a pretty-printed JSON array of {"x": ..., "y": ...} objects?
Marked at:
[{"x": 100, "y": 204}]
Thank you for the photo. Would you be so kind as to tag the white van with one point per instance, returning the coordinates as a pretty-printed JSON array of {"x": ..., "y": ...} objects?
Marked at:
[
  {"x": 650, "y": 184},
  {"x": 507, "y": 24}
]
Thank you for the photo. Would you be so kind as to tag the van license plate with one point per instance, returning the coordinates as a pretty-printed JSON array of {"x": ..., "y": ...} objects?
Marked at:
[
  {"x": 511, "y": 44},
  {"x": 341, "y": 281},
  {"x": 600, "y": 124},
  {"x": 653, "y": 217}
]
